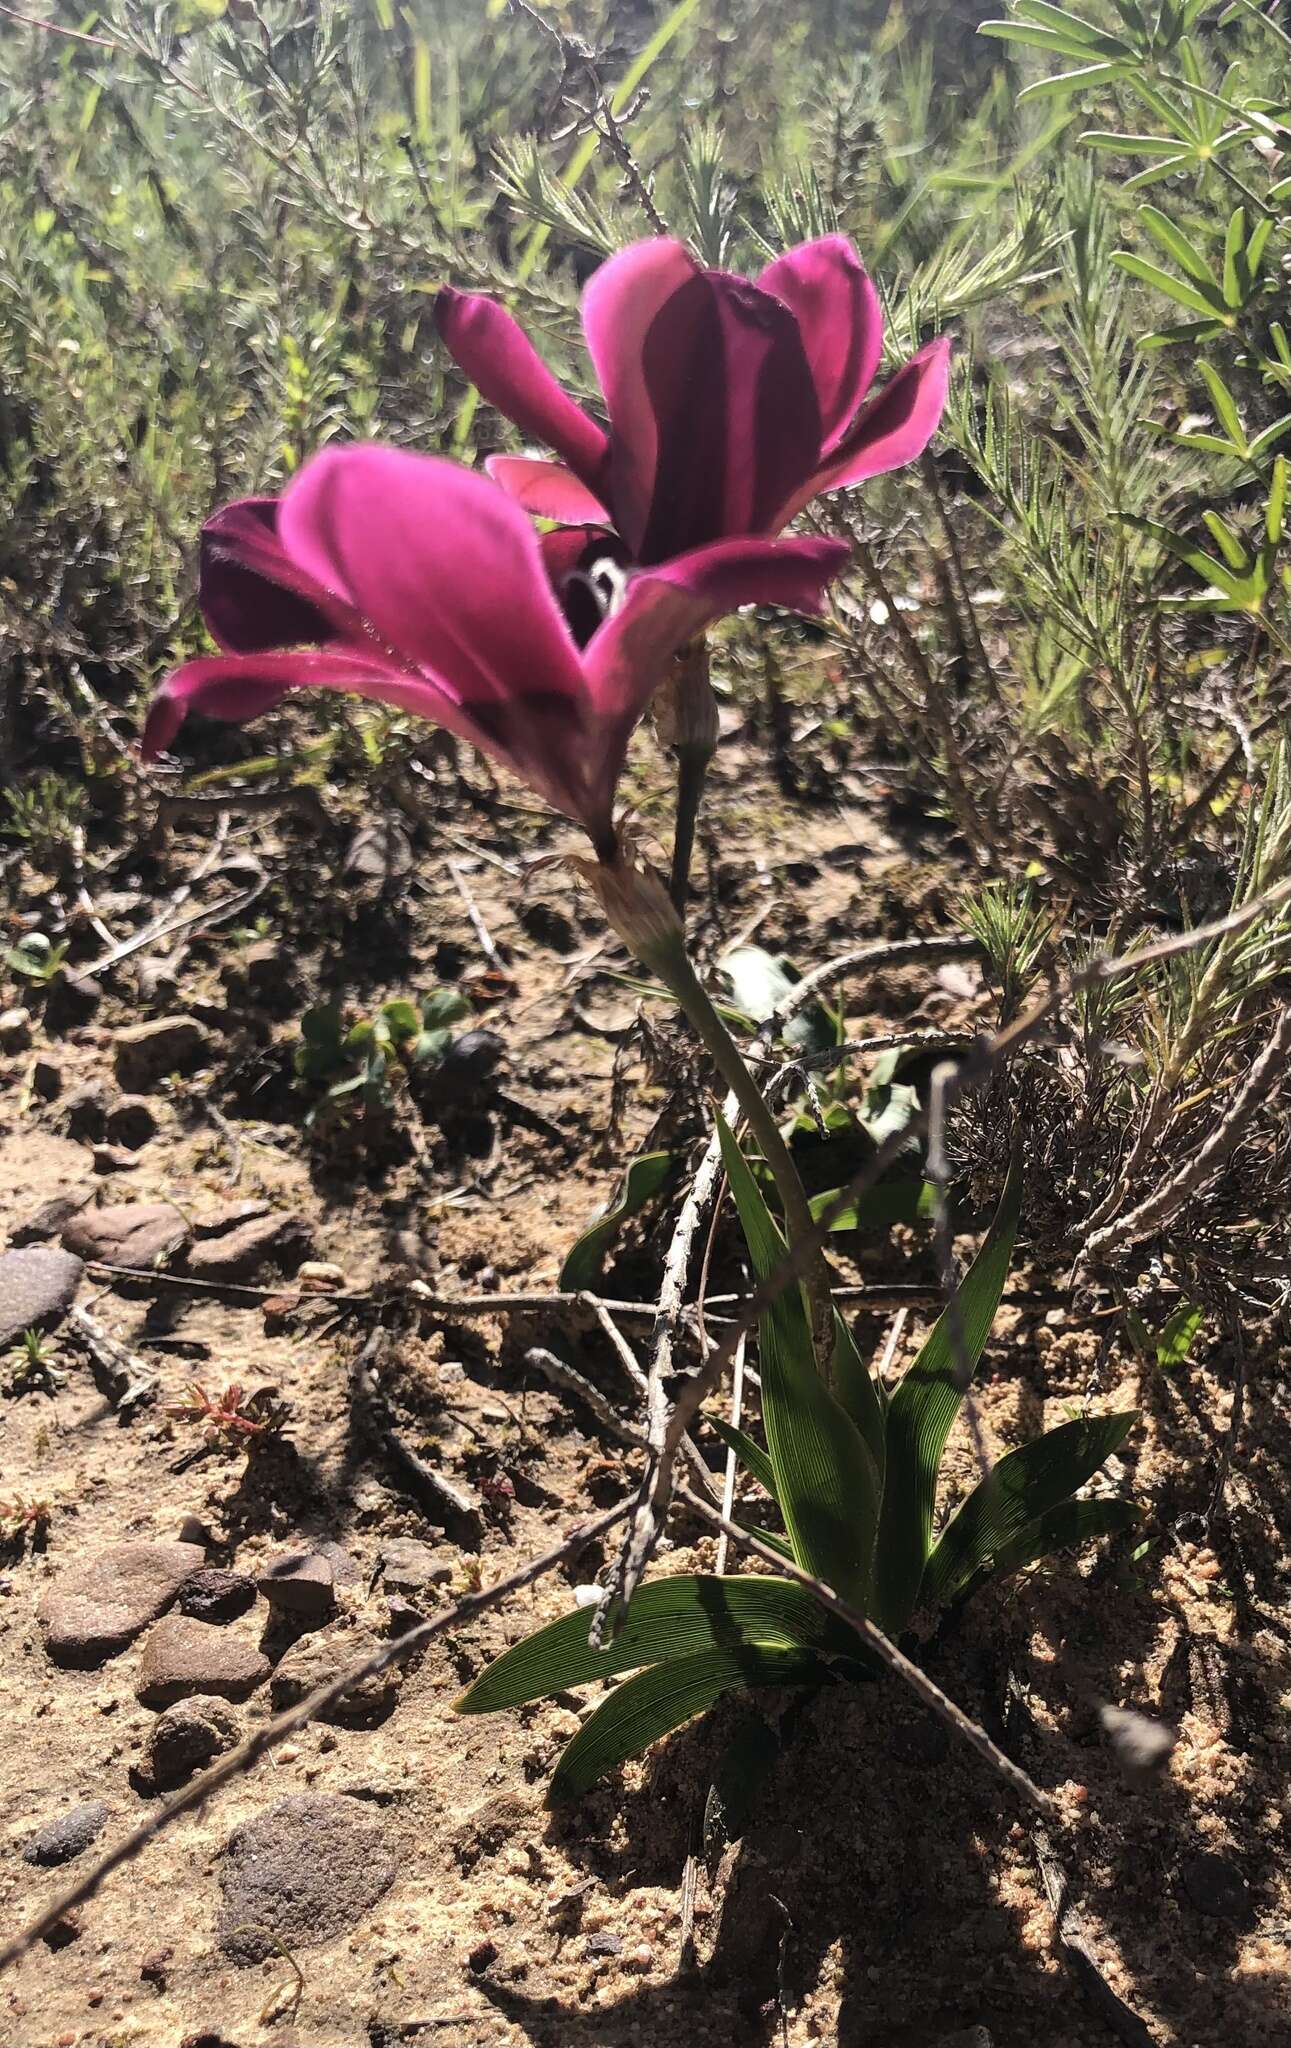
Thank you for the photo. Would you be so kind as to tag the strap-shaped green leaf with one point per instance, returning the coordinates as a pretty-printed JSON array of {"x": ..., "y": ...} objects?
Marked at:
[
  {"x": 657, "y": 1701},
  {"x": 644, "y": 1178},
  {"x": 1073, "y": 1522},
  {"x": 1024, "y": 1485},
  {"x": 750, "y": 1454},
  {"x": 861, "y": 1395},
  {"x": 920, "y": 1415},
  {"x": 666, "y": 1618},
  {"x": 825, "y": 1477}
]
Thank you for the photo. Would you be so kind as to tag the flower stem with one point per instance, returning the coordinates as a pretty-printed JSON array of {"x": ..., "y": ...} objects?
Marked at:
[
  {"x": 694, "y": 999},
  {"x": 633, "y": 899},
  {"x": 692, "y": 769}
]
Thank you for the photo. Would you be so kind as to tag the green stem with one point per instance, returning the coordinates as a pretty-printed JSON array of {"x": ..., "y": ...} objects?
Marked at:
[
  {"x": 693, "y": 998},
  {"x": 692, "y": 769}
]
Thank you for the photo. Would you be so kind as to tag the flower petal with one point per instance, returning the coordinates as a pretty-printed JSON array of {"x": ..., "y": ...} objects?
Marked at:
[
  {"x": 450, "y": 576},
  {"x": 252, "y": 594},
  {"x": 240, "y": 686},
  {"x": 738, "y": 421},
  {"x": 507, "y": 370},
  {"x": 713, "y": 411},
  {"x": 826, "y": 288},
  {"x": 621, "y": 301},
  {"x": 667, "y": 606},
  {"x": 891, "y": 430},
  {"x": 547, "y": 489}
]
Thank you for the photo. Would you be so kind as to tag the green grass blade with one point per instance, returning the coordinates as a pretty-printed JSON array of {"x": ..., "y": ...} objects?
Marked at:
[
  {"x": 920, "y": 1415},
  {"x": 826, "y": 1481},
  {"x": 657, "y": 1701},
  {"x": 666, "y": 1618},
  {"x": 1071, "y": 1523},
  {"x": 1025, "y": 1485}
]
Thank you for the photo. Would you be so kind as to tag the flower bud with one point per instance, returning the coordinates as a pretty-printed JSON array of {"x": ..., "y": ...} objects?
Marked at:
[
  {"x": 683, "y": 707},
  {"x": 636, "y": 903}
]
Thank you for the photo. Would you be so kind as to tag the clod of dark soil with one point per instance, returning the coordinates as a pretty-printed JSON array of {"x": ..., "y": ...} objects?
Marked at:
[
  {"x": 127, "y": 1233},
  {"x": 144, "y": 1054},
  {"x": 72, "y": 1832},
  {"x": 304, "y": 1872},
  {"x": 131, "y": 1122},
  {"x": 15, "y": 1030},
  {"x": 187, "y": 1737},
  {"x": 85, "y": 1112},
  {"x": 317, "y": 1660},
  {"x": 183, "y": 1656},
  {"x": 46, "y": 1079},
  {"x": 217, "y": 1596},
  {"x": 302, "y": 1584},
  {"x": 96, "y": 1608},
  {"x": 1215, "y": 1886},
  {"x": 37, "y": 1287}
]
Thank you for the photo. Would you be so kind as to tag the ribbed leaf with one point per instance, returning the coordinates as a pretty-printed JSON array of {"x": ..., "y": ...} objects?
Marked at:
[
  {"x": 666, "y": 1618},
  {"x": 1022, "y": 1487},
  {"x": 750, "y": 1454},
  {"x": 644, "y": 1178},
  {"x": 1073, "y": 1522},
  {"x": 825, "y": 1479},
  {"x": 657, "y": 1701},
  {"x": 920, "y": 1415},
  {"x": 861, "y": 1395}
]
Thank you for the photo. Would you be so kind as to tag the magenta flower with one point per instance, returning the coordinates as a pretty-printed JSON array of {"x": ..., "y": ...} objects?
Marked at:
[
  {"x": 415, "y": 581},
  {"x": 730, "y": 404}
]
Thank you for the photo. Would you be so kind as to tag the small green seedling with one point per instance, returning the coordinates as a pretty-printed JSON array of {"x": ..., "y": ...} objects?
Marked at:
[
  {"x": 358, "y": 1061},
  {"x": 33, "y": 1368},
  {"x": 853, "y": 1471}
]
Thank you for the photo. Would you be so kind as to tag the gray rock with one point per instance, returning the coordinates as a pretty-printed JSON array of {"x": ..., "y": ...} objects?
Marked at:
[
  {"x": 213, "y": 1595},
  {"x": 127, "y": 1233},
  {"x": 187, "y": 1737},
  {"x": 280, "y": 1240},
  {"x": 1142, "y": 1747},
  {"x": 182, "y": 1656},
  {"x": 1215, "y": 1886},
  {"x": 131, "y": 1122},
  {"x": 15, "y": 1030},
  {"x": 144, "y": 1054},
  {"x": 302, "y": 1583},
  {"x": 379, "y": 856},
  {"x": 67, "y": 1836},
  {"x": 37, "y": 1287},
  {"x": 316, "y": 1660},
  {"x": 408, "y": 1566},
  {"x": 302, "y": 1873},
  {"x": 97, "y": 1608}
]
